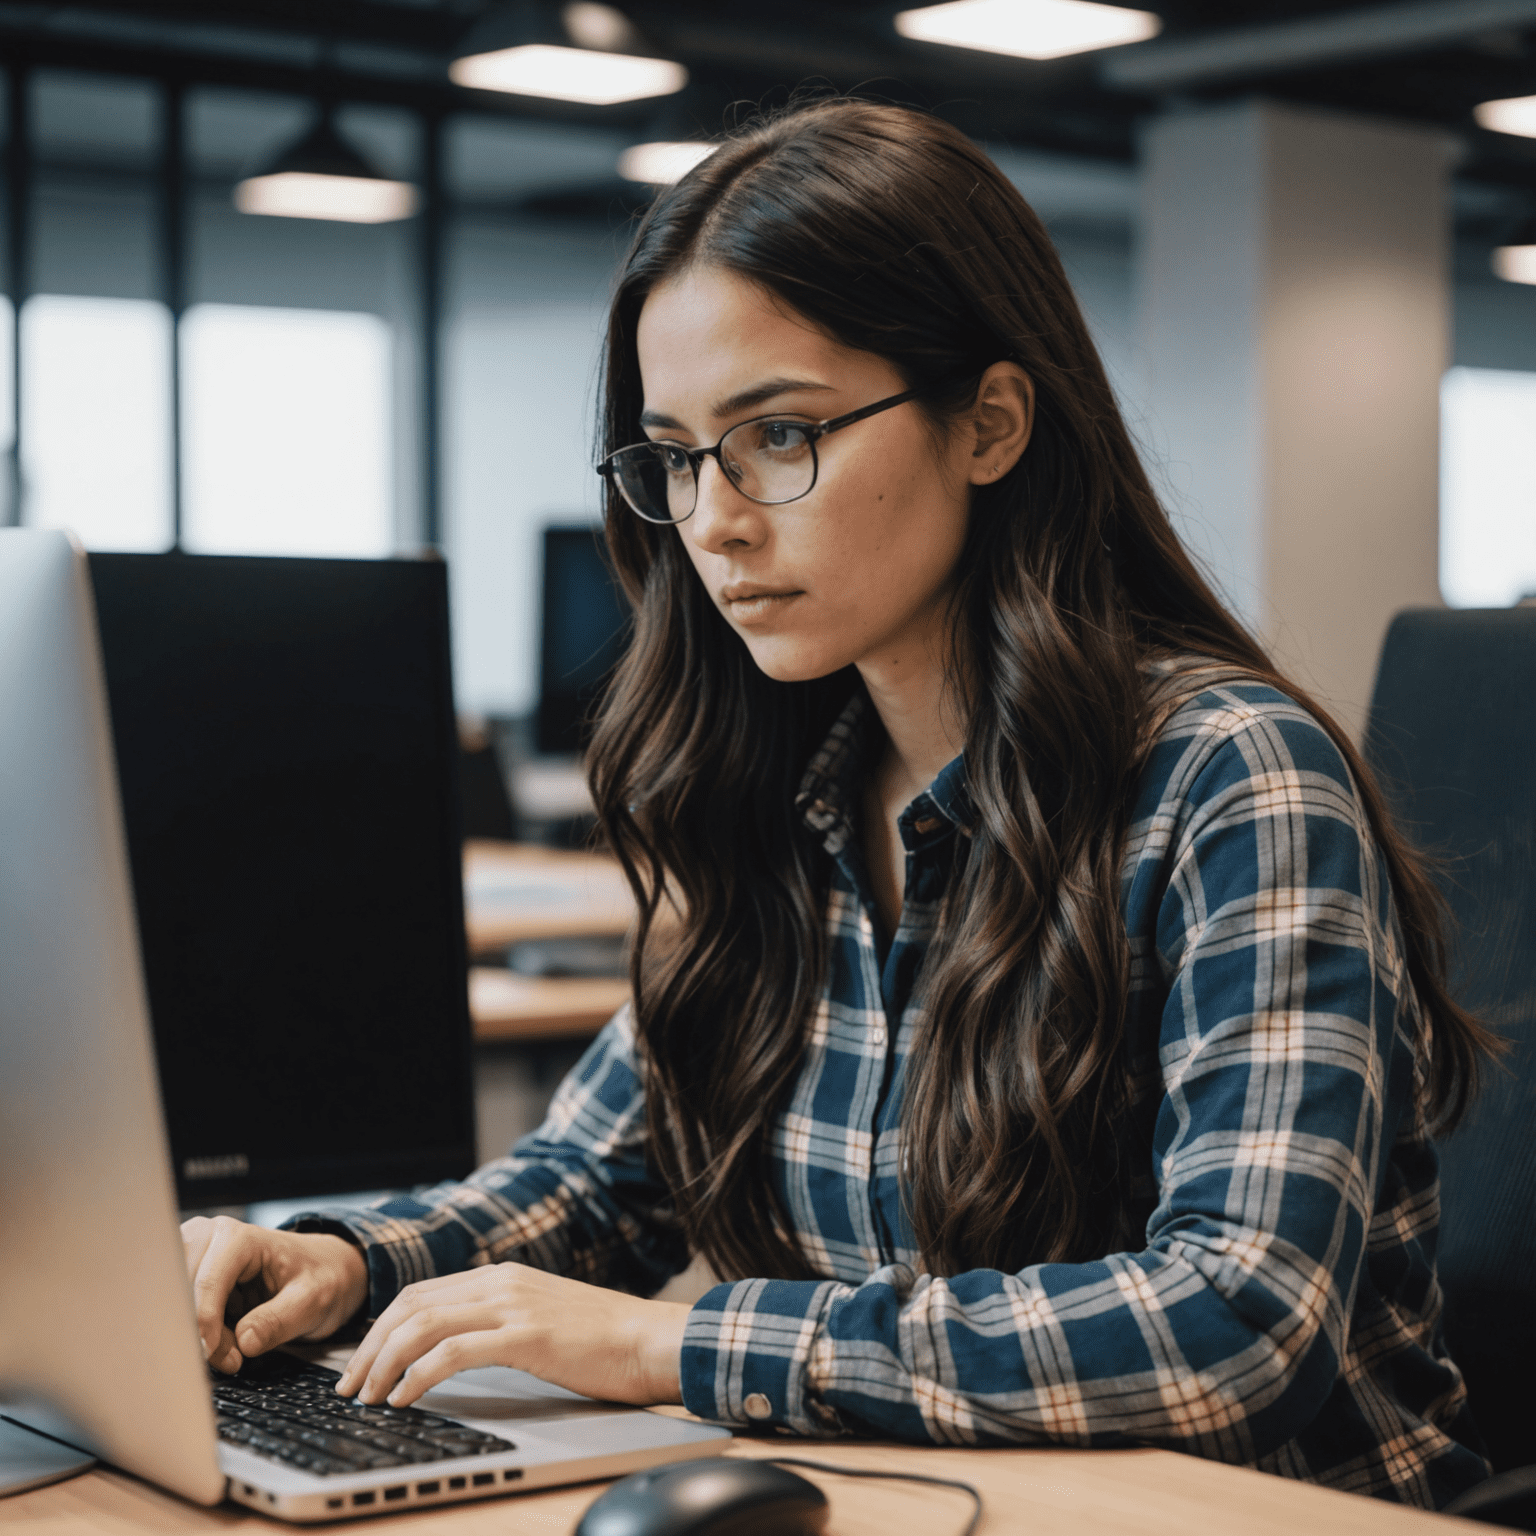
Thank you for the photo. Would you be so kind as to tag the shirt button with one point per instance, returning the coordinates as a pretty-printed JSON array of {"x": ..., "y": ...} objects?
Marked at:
[
  {"x": 758, "y": 1406},
  {"x": 877, "y": 1034}
]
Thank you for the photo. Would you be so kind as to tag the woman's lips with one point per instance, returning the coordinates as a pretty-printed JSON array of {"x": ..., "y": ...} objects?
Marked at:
[{"x": 749, "y": 605}]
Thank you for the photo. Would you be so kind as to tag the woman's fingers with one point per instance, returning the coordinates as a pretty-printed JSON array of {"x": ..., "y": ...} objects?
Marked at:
[
  {"x": 465, "y": 1289},
  {"x": 220, "y": 1256},
  {"x": 316, "y": 1281},
  {"x": 287, "y": 1315},
  {"x": 255, "y": 1289},
  {"x": 597, "y": 1342},
  {"x": 419, "y": 1335},
  {"x": 459, "y": 1352}
]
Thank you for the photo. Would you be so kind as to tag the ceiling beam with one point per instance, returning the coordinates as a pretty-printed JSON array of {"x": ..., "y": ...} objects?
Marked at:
[{"x": 1213, "y": 58}]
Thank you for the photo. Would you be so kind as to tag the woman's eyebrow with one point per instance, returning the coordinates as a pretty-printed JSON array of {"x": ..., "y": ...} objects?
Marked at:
[{"x": 743, "y": 400}]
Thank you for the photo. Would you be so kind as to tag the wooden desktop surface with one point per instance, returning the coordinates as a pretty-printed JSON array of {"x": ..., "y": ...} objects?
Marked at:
[
  {"x": 514, "y": 892},
  {"x": 1043, "y": 1492}
]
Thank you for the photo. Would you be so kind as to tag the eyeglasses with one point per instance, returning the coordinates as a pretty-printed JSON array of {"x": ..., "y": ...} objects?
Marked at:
[{"x": 770, "y": 460}]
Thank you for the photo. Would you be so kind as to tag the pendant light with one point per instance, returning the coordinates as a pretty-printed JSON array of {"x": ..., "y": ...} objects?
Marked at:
[
  {"x": 676, "y": 137},
  {"x": 583, "y": 53},
  {"x": 1512, "y": 114},
  {"x": 1515, "y": 260},
  {"x": 1028, "y": 29},
  {"x": 323, "y": 177}
]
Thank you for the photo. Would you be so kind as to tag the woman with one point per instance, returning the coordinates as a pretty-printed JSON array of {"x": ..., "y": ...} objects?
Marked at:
[{"x": 1036, "y": 1015}]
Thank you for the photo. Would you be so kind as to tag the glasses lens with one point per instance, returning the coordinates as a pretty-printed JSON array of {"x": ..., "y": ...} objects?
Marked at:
[
  {"x": 770, "y": 461},
  {"x": 657, "y": 480}
]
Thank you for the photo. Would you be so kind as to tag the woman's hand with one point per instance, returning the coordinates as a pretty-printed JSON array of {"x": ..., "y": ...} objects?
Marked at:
[
  {"x": 256, "y": 1289},
  {"x": 597, "y": 1342}
]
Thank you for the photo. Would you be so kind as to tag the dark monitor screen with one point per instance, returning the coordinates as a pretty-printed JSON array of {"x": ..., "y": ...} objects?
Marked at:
[
  {"x": 585, "y": 625},
  {"x": 286, "y": 749}
]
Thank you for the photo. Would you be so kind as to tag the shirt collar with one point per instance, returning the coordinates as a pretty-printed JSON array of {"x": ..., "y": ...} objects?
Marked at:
[{"x": 826, "y": 799}]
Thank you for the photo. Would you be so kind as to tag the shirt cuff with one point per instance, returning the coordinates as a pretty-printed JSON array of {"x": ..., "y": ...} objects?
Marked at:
[
  {"x": 747, "y": 1353},
  {"x": 394, "y": 1247}
]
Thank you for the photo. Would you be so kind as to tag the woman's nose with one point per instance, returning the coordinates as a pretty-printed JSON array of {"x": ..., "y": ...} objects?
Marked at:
[{"x": 722, "y": 516}]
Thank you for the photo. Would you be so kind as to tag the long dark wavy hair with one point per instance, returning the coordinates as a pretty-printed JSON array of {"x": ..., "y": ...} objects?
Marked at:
[{"x": 894, "y": 234}]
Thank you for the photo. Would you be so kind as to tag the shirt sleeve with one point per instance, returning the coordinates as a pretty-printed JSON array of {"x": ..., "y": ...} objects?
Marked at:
[
  {"x": 578, "y": 1197},
  {"x": 1285, "y": 998}
]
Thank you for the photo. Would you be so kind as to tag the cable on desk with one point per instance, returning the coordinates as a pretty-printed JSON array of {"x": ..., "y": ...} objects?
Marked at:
[{"x": 894, "y": 1477}]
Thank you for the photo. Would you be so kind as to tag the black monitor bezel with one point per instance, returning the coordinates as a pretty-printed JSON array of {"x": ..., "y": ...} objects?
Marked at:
[{"x": 271, "y": 1178}]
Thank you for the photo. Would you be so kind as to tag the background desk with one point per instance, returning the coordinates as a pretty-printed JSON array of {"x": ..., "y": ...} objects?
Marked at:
[
  {"x": 513, "y": 892},
  {"x": 1038, "y": 1492}
]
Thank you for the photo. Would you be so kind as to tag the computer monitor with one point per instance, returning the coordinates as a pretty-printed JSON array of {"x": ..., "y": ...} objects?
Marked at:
[
  {"x": 585, "y": 624},
  {"x": 286, "y": 748}
]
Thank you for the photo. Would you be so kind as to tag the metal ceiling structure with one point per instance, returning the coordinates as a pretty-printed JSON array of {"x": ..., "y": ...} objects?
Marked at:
[
  {"x": 1427, "y": 61},
  {"x": 1423, "y": 61}
]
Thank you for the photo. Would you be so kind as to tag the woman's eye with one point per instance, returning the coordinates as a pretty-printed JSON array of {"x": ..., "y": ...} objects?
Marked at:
[
  {"x": 673, "y": 459},
  {"x": 781, "y": 435}
]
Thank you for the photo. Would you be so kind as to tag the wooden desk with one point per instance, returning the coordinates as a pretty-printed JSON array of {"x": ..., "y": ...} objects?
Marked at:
[
  {"x": 1038, "y": 1492},
  {"x": 506, "y": 1006},
  {"x": 514, "y": 892}
]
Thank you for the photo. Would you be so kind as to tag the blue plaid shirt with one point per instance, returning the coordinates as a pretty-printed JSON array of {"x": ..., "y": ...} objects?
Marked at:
[{"x": 1282, "y": 1311}]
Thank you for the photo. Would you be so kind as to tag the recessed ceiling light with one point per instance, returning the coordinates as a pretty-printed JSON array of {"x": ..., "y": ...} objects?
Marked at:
[
  {"x": 1514, "y": 114},
  {"x": 569, "y": 74},
  {"x": 663, "y": 162},
  {"x": 1028, "y": 29}
]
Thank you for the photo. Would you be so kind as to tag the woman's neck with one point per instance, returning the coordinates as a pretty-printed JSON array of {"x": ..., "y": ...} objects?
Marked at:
[{"x": 913, "y": 694}]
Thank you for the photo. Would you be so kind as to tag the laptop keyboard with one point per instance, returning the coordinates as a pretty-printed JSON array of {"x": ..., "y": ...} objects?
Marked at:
[{"x": 286, "y": 1408}]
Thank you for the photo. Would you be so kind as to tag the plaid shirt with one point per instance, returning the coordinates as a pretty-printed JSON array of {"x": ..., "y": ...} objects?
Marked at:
[{"x": 1283, "y": 1311}]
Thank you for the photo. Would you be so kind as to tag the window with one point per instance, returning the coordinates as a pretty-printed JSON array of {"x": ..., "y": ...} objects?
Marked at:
[
  {"x": 286, "y": 431},
  {"x": 96, "y": 411},
  {"x": 1487, "y": 487}
]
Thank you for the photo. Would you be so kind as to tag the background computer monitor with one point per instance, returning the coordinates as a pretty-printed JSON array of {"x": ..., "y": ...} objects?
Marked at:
[
  {"x": 285, "y": 741},
  {"x": 585, "y": 623}
]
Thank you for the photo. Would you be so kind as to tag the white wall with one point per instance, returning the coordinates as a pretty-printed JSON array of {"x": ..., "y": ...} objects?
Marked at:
[{"x": 520, "y": 390}]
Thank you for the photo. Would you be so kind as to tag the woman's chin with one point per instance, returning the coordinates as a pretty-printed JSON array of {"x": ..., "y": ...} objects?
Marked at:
[{"x": 787, "y": 661}]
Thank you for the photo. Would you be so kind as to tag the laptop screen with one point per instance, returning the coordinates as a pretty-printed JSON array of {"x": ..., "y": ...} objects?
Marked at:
[{"x": 285, "y": 742}]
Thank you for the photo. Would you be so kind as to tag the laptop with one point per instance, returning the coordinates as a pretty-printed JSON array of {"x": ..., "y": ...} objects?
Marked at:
[{"x": 98, "y": 1345}]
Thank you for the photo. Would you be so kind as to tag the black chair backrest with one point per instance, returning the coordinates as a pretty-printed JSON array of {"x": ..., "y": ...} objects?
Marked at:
[{"x": 1453, "y": 737}]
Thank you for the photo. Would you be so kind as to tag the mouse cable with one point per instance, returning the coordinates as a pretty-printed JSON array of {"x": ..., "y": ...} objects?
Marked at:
[{"x": 895, "y": 1477}]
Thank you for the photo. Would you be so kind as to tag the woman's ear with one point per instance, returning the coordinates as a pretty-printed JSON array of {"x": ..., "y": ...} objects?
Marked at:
[{"x": 1002, "y": 419}]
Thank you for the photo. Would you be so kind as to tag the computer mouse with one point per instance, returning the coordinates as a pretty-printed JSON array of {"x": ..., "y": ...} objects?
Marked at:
[{"x": 715, "y": 1496}]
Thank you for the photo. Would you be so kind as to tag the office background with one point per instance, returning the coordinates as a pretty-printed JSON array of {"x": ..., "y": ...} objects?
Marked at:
[
  {"x": 303, "y": 411},
  {"x": 1282, "y": 218}
]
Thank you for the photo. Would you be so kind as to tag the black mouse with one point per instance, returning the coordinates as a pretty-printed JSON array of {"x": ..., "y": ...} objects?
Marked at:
[{"x": 716, "y": 1496}]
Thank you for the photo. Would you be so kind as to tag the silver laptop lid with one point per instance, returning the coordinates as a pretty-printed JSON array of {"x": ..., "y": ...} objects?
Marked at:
[{"x": 96, "y": 1317}]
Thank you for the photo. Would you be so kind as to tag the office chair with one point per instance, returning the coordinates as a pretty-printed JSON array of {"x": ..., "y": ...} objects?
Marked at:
[{"x": 1453, "y": 736}]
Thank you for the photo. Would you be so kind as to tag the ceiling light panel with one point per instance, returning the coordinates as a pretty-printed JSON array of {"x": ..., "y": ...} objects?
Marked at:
[
  {"x": 1514, "y": 114},
  {"x": 569, "y": 74},
  {"x": 663, "y": 162},
  {"x": 1516, "y": 263},
  {"x": 344, "y": 199},
  {"x": 1028, "y": 29}
]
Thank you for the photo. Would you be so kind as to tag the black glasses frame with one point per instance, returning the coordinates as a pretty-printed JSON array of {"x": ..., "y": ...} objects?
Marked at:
[{"x": 814, "y": 431}]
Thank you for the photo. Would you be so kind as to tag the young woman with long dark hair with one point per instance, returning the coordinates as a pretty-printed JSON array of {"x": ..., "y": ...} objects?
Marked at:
[{"x": 1038, "y": 1023}]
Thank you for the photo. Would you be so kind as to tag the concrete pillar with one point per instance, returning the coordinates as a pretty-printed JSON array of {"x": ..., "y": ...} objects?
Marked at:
[{"x": 1295, "y": 306}]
